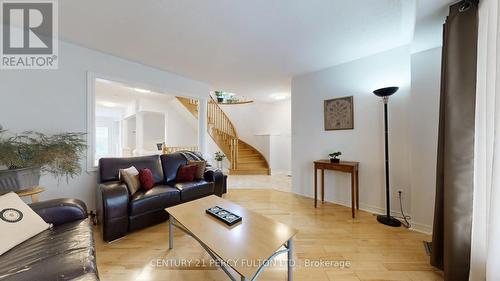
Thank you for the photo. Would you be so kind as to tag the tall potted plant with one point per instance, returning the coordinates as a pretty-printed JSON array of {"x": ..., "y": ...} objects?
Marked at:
[{"x": 26, "y": 156}]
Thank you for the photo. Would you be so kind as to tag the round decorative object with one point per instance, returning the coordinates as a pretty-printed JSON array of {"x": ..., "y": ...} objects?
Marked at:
[{"x": 11, "y": 215}]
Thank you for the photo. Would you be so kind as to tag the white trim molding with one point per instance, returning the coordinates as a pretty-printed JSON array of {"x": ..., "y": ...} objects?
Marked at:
[{"x": 91, "y": 77}]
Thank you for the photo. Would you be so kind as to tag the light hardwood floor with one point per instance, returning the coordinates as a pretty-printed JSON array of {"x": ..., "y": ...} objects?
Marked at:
[{"x": 368, "y": 250}]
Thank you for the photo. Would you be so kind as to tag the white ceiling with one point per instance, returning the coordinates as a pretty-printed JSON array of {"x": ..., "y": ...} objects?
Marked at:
[
  {"x": 251, "y": 47},
  {"x": 109, "y": 94}
]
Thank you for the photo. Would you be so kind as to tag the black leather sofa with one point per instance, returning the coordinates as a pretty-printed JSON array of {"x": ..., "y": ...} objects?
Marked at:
[
  {"x": 118, "y": 212},
  {"x": 64, "y": 252}
]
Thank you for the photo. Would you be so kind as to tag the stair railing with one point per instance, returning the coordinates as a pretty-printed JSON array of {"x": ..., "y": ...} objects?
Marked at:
[{"x": 223, "y": 132}]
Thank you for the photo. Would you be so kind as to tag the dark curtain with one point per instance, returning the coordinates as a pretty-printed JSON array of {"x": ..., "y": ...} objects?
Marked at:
[{"x": 451, "y": 238}]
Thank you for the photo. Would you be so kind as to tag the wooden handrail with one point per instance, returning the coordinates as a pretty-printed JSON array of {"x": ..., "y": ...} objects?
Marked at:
[{"x": 223, "y": 131}]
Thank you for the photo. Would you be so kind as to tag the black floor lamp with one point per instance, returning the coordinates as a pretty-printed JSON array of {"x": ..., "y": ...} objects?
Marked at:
[{"x": 384, "y": 93}]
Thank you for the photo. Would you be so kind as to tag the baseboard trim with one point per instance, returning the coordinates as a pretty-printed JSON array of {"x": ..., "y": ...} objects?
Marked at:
[{"x": 416, "y": 226}]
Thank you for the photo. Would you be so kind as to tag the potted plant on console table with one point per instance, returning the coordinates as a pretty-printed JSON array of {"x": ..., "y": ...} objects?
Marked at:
[
  {"x": 335, "y": 157},
  {"x": 25, "y": 156}
]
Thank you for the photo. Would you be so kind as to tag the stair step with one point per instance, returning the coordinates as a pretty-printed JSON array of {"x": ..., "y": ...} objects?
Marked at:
[
  {"x": 251, "y": 161},
  {"x": 249, "y": 157},
  {"x": 251, "y": 166},
  {"x": 239, "y": 171},
  {"x": 248, "y": 151}
]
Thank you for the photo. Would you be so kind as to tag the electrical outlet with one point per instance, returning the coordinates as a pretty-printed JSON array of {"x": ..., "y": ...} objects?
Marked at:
[{"x": 402, "y": 192}]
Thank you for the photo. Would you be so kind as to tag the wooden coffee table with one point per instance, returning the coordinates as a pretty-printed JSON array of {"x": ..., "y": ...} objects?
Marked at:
[{"x": 245, "y": 247}]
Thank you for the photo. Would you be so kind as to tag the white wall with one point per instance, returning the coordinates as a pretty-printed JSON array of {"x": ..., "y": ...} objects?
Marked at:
[
  {"x": 426, "y": 81},
  {"x": 413, "y": 123},
  {"x": 182, "y": 126},
  {"x": 267, "y": 127},
  {"x": 153, "y": 130},
  {"x": 365, "y": 143},
  {"x": 53, "y": 101}
]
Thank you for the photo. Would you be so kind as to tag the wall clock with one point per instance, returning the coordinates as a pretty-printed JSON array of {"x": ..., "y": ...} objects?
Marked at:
[{"x": 339, "y": 114}]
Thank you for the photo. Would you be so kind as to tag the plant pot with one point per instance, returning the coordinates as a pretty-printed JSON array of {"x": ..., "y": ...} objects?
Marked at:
[
  {"x": 159, "y": 146},
  {"x": 220, "y": 99},
  {"x": 334, "y": 160},
  {"x": 219, "y": 165},
  {"x": 18, "y": 179}
]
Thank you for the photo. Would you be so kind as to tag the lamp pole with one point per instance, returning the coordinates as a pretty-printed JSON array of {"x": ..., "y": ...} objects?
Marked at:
[
  {"x": 387, "y": 186},
  {"x": 386, "y": 219}
]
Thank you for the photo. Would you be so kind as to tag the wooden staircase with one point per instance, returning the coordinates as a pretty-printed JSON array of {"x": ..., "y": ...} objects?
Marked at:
[
  {"x": 190, "y": 104},
  {"x": 243, "y": 158}
]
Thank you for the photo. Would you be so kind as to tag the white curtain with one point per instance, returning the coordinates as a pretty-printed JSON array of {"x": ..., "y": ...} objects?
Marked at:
[{"x": 485, "y": 248}]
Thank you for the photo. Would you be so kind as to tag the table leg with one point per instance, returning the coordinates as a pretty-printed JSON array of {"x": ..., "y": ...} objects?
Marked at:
[
  {"x": 357, "y": 189},
  {"x": 353, "y": 195},
  {"x": 171, "y": 233},
  {"x": 34, "y": 198},
  {"x": 290, "y": 259},
  {"x": 315, "y": 188},
  {"x": 322, "y": 185}
]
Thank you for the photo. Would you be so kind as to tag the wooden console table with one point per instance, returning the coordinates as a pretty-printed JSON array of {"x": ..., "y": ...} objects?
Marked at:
[{"x": 343, "y": 166}]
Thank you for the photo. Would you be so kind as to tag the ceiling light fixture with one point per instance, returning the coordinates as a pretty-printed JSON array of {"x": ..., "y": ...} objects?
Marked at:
[
  {"x": 280, "y": 96},
  {"x": 100, "y": 80},
  {"x": 142, "y": 90},
  {"x": 107, "y": 104}
]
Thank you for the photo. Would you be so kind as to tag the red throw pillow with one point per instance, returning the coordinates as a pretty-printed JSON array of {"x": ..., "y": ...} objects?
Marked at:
[
  {"x": 146, "y": 179},
  {"x": 186, "y": 173}
]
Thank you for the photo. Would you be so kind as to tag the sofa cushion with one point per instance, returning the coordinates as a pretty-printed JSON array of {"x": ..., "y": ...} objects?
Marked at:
[
  {"x": 200, "y": 172},
  {"x": 146, "y": 179},
  {"x": 194, "y": 190},
  {"x": 157, "y": 198},
  {"x": 18, "y": 222},
  {"x": 186, "y": 173},
  {"x": 65, "y": 252},
  {"x": 170, "y": 164},
  {"x": 130, "y": 177},
  {"x": 108, "y": 167}
]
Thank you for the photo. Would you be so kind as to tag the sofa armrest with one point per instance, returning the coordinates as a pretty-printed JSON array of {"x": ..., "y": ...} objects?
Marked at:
[
  {"x": 217, "y": 177},
  {"x": 60, "y": 211},
  {"x": 112, "y": 209}
]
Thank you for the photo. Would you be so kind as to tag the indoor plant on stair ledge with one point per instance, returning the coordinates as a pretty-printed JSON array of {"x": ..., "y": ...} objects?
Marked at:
[{"x": 25, "y": 156}]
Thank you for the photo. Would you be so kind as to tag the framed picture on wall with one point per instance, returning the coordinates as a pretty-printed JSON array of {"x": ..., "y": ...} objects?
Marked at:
[{"x": 339, "y": 114}]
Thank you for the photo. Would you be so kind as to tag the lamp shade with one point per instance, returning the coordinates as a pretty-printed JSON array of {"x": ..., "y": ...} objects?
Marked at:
[{"x": 385, "y": 92}]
